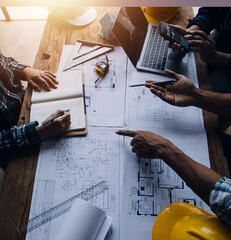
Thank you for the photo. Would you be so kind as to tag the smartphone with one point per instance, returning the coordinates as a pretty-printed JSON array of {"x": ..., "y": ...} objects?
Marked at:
[{"x": 173, "y": 36}]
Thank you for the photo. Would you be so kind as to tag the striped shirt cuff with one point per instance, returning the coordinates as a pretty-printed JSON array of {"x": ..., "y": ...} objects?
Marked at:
[
  {"x": 220, "y": 199},
  {"x": 29, "y": 134},
  {"x": 19, "y": 67}
]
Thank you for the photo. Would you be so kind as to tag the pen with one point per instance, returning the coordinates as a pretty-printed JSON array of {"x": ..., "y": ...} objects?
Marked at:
[
  {"x": 50, "y": 120},
  {"x": 95, "y": 43},
  {"x": 155, "y": 83}
]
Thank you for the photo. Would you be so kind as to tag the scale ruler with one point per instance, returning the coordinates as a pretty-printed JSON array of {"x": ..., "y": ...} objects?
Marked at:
[{"x": 61, "y": 208}]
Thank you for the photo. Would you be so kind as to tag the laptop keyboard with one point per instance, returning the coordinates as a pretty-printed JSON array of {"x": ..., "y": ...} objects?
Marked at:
[{"x": 155, "y": 56}]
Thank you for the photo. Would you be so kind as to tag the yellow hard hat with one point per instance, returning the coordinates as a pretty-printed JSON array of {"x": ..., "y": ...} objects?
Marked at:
[
  {"x": 157, "y": 14},
  {"x": 180, "y": 221}
]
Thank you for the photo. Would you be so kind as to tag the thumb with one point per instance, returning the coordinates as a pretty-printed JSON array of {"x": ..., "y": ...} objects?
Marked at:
[{"x": 172, "y": 74}]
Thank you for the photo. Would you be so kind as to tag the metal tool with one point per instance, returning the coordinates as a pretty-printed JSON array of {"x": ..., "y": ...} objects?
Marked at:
[
  {"x": 61, "y": 208},
  {"x": 101, "y": 68}
]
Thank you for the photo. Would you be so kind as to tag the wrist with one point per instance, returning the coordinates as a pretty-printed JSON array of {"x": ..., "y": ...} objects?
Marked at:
[
  {"x": 41, "y": 133},
  {"x": 166, "y": 149}
]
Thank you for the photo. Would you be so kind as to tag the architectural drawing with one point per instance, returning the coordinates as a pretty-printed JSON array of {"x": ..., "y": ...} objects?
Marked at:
[
  {"x": 138, "y": 188},
  {"x": 69, "y": 166},
  {"x": 152, "y": 185},
  {"x": 107, "y": 98},
  {"x": 144, "y": 108}
]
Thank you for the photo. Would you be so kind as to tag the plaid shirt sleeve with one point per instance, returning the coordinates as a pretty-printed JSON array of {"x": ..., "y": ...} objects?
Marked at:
[
  {"x": 13, "y": 64},
  {"x": 220, "y": 199},
  {"x": 15, "y": 139}
]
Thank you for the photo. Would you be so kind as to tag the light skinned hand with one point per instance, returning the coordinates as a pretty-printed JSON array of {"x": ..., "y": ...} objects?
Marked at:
[
  {"x": 147, "y": 144},
  {"x": 38, "y": 79},
  {"x": 56, "y": 127},
  {"x": 179, "y": 93},
  {"x": 202, "y": 43}
]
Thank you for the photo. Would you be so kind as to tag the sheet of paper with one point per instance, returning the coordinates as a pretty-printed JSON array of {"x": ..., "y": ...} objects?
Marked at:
[
  {"x": 138, "y": 188},
  {"x": 104, "y": 103},
  {"x": 40, "y": 111},
  {"x": 70, "y": 86},
  {"x": 145, "y": 109},
  {"x": 149, "y": 185},
  {"x": 83, "y": 221},
  {"x": 68, "y": 166}
]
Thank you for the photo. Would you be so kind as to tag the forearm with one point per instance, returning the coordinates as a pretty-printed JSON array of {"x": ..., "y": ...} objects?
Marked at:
[
  {"x": 219, "y": 103},
  {"x": 16, "y": 138},
  {"x": 199, "y": 178},
  {"x": 193, "y": 27},
  {"x": 221, "y": 60}
]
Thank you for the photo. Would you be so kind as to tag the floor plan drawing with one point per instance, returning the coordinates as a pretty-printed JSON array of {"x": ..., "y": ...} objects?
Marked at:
[
  {"x": 68, "y": 166},
  {"x": 152, "y": 185},
  {"x": 144, "y": 108},
  {"x": 139, "y": 189},
  {"x": 107, "y": 98}
]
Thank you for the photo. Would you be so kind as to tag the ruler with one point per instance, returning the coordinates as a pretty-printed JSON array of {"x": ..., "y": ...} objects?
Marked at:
[
  {"x": 61, "y": 208},
  {"x": 73, "y": 54},
  {"x": 89, "y": 56}
]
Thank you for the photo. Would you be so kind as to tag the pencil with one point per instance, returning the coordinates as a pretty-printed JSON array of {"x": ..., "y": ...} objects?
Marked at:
[
  {"x": 154, "y": 83},
  {"x": 50, "y": 120},
  {"x": 95, "y": 43}
]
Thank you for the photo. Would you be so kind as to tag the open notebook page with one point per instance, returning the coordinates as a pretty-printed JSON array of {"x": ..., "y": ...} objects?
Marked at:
[
  {"x": 70, "y": 86},
  {"x": 40, "y": 111}
]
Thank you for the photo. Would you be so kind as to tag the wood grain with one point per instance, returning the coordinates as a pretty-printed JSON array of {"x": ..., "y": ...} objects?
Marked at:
[{"x": 17, "y": 189}]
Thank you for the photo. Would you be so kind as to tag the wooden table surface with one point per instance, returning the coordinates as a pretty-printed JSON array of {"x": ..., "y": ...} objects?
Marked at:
[{"x": 17, "y": 189}]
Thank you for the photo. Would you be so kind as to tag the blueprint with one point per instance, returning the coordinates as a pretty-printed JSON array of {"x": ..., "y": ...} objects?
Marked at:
[
  {"x": 138, "y": 188},
  {"x": 68, "y": 166},
  {"x": 105, "y": 101},
  {"x": 145, "y": 109},
  {"x": 152, "y": 185}
]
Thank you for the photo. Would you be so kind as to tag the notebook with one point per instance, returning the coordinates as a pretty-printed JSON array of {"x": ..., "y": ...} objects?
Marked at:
[
  {"x": 68, "y": 95},
  {"x": 84, "y": 222},
  {"x": 144, "y": 46}
]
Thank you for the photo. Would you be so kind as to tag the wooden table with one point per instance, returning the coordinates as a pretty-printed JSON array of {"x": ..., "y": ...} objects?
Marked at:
[{"x": 17, "y": 189}]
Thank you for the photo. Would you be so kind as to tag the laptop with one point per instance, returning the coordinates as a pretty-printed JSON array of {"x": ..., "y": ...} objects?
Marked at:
[{"x": 144, "y": 46}]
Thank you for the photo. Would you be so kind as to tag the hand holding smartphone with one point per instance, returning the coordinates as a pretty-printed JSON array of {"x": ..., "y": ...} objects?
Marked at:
[{"x": 173, "y": 36}]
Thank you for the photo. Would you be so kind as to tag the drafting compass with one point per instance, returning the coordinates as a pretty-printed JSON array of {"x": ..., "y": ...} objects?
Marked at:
[{"x": 101, "y": 68}]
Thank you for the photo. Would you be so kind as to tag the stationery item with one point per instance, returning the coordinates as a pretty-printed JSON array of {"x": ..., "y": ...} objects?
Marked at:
[
  {"x": 84, "y": 221},
  {"x": 73, "y": 54},
  {"x": 68, "y": 95},
  {"x": 87, "y": 51},
  {"x": 95, "y": 43},
  {"x": 52, "y": 119},
  {"x": 155, "y": 83},
  {"x": 89, "y": 56},
  {"x": 61, "y": 208}
]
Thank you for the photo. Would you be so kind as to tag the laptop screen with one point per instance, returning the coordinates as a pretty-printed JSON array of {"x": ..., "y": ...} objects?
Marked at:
[{"x": 130, "y": 30}]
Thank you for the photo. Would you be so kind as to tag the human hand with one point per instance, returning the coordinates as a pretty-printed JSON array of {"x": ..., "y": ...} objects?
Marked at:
[
  {"x": 179, "y": 93},
  {"x": 55, "y": 127},
  {"x": 200, "y": 42},
  {"x": 147, "y": 144},
  {"x": 176, "y": 46},
  {"x": 39, "y": 79}
]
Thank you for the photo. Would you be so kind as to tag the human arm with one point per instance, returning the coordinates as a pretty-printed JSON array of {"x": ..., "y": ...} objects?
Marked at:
[
  {"x": 200, "y": 42},
  {"x": 184, "y": 93},
  {"x": 149, "y": 145},
  {"x": 16, "y": 138},
  {"x": 36, "y": 78}
]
